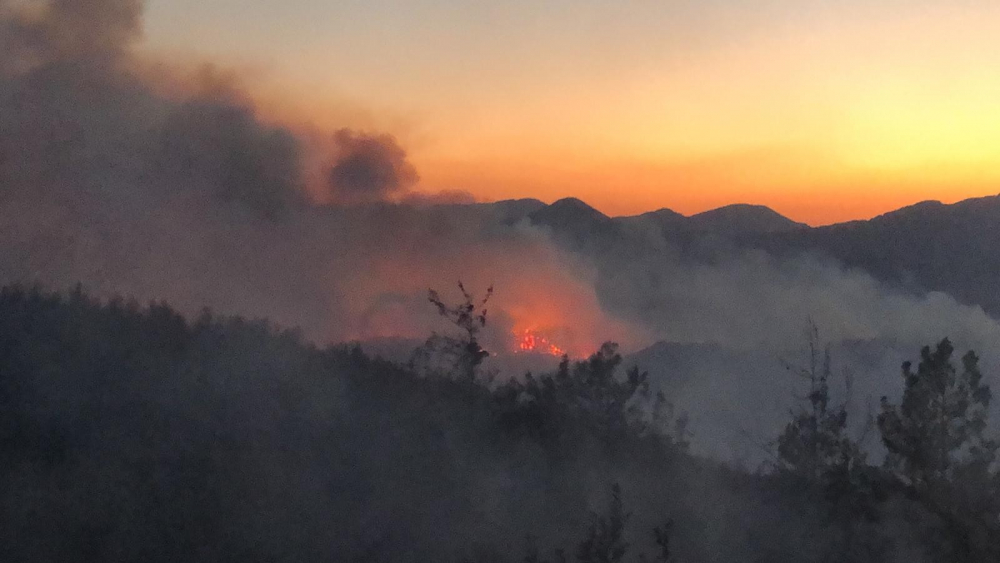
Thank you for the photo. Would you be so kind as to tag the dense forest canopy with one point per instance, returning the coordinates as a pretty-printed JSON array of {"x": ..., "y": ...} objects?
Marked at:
[{"x": 132, "y": 433}]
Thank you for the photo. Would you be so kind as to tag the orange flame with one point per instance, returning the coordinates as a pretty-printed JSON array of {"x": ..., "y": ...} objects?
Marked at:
[{"x": 528, "y": 341}]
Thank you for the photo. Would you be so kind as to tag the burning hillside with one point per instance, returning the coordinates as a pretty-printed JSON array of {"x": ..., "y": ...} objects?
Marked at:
[{"x": 531, "y": 342}]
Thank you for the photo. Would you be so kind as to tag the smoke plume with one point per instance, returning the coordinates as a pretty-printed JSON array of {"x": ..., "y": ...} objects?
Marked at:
[
  {"x": 368, "y": 168},
  {"x": 189, "y": 195}
]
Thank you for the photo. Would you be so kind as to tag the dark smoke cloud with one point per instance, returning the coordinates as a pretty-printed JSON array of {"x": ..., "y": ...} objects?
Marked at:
[
  {"x": 219, "y": 146},
  {"x": 196, "y": 199},
  {"x": 79, "y": 115},
  {"x": 77, "y": 121},
  {"x": 369, "y": 167},
  {"x": 63, "y": 30},
  {"x": 186, "y": 194},
  {"x": 108, "y": 180}
]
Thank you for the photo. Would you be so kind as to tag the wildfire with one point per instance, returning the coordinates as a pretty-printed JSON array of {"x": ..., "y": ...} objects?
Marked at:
[{"x": 528, "y": 341}]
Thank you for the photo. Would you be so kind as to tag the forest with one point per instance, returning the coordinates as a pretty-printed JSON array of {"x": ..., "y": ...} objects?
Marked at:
[
  {"x": 277, "y": 382},
  {"x": 129, "y": 432}
]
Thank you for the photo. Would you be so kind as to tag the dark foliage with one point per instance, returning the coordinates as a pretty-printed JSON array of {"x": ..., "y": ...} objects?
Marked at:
[
  {"x": 604, "y": 541},
  {"x": 817, "y": 451},
  {"x": 130, "y": 433},
  {"x": 940, "y": 453},
  {"x": 450, "y": 356}
]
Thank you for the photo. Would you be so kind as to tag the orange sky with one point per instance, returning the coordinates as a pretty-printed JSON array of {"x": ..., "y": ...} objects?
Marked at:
[{"x": 823, "y": 111}]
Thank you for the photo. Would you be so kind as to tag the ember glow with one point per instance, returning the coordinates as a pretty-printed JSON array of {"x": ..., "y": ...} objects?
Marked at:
[{"x": 529, "y": 341}]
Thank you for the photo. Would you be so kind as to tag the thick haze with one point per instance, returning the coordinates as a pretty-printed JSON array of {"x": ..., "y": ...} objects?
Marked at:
[
  {"x": 131, "y": 433},
  {"x": 176, "y": 188}
]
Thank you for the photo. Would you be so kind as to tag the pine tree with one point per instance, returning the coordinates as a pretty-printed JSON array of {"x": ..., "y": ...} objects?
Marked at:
[
  {"x": 939, "y": 450},
  {"x": 816, "y": 448}
]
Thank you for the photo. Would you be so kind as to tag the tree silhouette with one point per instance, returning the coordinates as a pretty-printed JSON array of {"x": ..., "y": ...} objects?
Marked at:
[
  {"x": 604, "y": 541},
  {"x": 816, "y": 449},
  {"x": 592, "y": 394},
  {"x": 457, "y": 356},
  {"x": 815, "y": 442},
  {"x": 939, "y": 451}
]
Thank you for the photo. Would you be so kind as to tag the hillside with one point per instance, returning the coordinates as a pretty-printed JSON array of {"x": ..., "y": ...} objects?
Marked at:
[
  {"x": 929, "y": 246},
  {"x": 130, "y": 433},
  {"x": 742, "y": 218}
]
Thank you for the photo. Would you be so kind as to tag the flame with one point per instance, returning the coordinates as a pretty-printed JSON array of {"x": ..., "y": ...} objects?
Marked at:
[{"x": 529, "y": 341}]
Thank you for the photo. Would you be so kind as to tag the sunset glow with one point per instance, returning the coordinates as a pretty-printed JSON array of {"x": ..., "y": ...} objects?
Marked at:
[{"x": 825, "y": 112}]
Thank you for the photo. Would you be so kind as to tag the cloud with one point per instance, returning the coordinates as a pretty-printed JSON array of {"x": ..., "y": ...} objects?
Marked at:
[
  {"x": 218, "y": 145},
  {"x": 78, "y": 120},
  {"x": 187, "y": 194},
  {"x": 368, "y": 167},
  {"x": 68, "y": 30}
]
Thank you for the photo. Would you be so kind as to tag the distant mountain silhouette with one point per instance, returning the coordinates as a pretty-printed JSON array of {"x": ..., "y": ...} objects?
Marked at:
[
  {"x": 573, "y": 215},
  {"x": 507, "y": 211},
  {"x": 513, "y": 210},
  {"x": 665, "y": 220},
  {"x": 577, "y": 224},
  {"x": 928, "y": 246},
  {"x": 744, "y": 218},
  {"x": 568, "y": 213}
]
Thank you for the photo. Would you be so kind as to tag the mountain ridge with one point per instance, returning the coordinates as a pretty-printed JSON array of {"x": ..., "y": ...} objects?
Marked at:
[
  {"x": 929, "y": 246},
  {"x": 720, "y": 214}
]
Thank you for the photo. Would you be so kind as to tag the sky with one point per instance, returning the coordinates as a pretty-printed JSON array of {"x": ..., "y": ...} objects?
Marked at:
[{"x": 825, "y": 111}]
